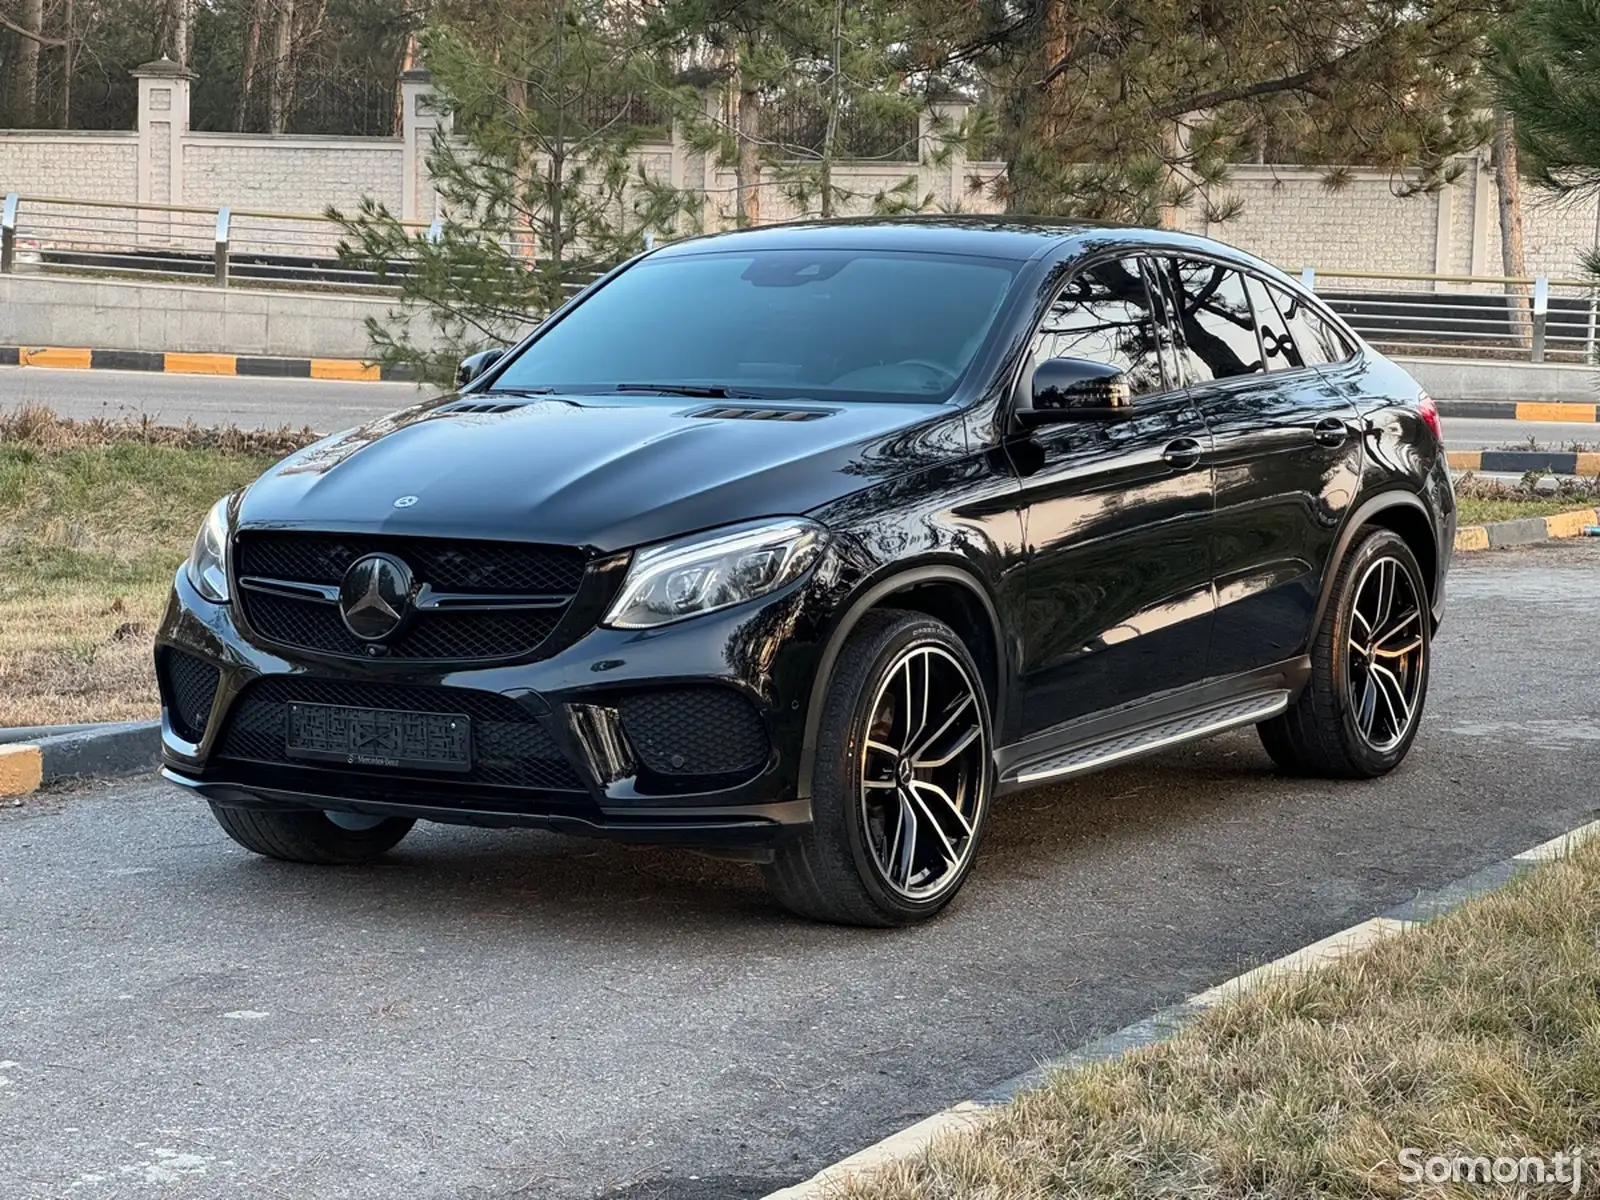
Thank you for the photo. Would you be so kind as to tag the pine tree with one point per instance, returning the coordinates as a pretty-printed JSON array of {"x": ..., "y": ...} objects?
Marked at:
[
  {"x": 542, "y": 190},
  {"x": 1130, "y": 108},
  {"x": 1548, "y": 76}
]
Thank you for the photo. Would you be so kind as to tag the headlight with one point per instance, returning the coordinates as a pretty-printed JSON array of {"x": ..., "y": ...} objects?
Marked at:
[
  {"x": 208, "y": 562},
  {"x": 714, "y": 570}
]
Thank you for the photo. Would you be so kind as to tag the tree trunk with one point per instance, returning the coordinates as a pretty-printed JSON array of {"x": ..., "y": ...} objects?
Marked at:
[
  {"x": 182, "y": 12},
  {"x": 282, "y": 46},
  {"x": 747, "y": 170},
  {"x": 835, "y": 99},
  {"x": 252, "y": 56},
  {"x": 1509, "y": 190},
  {"x": 28, "y": 62},
  {"x": 69, "y": 62}
]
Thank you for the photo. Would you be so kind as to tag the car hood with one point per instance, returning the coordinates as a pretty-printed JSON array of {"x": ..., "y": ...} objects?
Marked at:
[{"x": 597, "y": 472}]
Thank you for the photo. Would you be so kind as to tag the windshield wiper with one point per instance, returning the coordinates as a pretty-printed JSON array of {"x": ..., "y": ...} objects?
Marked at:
[{"x": 701, "y": 391}]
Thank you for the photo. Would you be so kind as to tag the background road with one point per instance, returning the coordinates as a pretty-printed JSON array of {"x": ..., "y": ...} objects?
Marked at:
[
  {"x": 505, "y": 1014},
  {"x": 328, "y": 405}
]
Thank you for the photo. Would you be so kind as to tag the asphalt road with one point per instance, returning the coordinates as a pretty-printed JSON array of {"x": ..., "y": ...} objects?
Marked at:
[
  {"x": 490, "y": 1015},
  {"x": 329, "y": 405}
]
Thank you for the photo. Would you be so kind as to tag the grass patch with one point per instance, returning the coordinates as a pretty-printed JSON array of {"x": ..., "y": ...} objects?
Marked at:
[
  {"x": 95, "y": 517},
  {"x": 1478, "y": 1034},
  {"x": 1481, "y": 500}
]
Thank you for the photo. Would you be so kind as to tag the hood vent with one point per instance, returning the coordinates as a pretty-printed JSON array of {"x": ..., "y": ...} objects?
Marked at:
[
  {"x": 727, "y": 413},
  {"x": 482, "y": 406}
]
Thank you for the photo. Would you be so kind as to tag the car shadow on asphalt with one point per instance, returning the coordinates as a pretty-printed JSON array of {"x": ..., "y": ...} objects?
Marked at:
[{"x": 532, "y": 879}]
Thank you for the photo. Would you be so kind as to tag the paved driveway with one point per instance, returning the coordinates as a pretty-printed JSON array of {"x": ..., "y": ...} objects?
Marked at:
[{"x": 511, "y": 1014}]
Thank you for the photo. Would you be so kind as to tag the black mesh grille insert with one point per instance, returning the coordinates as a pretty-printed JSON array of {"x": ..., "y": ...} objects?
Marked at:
[
  {"x": 188, "y": 687},
  {"x": 509, "y": 747},
  {"x": 484, "y": 568},
  {"x": 705, "y": 732}
]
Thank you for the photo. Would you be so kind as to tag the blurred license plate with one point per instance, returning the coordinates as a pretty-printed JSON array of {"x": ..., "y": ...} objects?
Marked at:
[{"x": 380, "y": 737}]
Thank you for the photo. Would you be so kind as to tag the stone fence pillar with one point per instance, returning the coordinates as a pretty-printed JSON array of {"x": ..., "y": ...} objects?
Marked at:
[
  {"x": 942, "y": 150},
  {"x": 420, "y": 118},
  {"x": 163, "y": 122}
]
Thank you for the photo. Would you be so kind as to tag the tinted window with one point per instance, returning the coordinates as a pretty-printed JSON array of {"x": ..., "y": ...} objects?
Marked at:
[
  {"x": 1304, "y": 327},
  {"x": 1104, "y": 316},
  {"x": 1335, "y": 346},
  {"x": 1213, "y": 311},
  {"x": 1162, "y": 307},
  {"x": 869, "y": 325},
  {"x": 1279, "y": 348}
]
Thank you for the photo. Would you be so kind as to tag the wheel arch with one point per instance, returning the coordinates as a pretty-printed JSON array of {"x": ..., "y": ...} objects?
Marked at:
[
  {"x": 944, "y": 591},
  {"x": 1403, "y": 513}
]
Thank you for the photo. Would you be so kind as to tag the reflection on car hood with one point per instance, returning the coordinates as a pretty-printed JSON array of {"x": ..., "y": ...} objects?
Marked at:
[{"x": 600, "y": 472}]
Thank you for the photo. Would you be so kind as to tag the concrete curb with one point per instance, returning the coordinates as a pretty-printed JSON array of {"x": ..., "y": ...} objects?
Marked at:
[
  {"x": 1557, "y": 462},
  {"x": 77, "y": 751},
  {"x": 1525, "y": 531},
  {"x": 77, "y": 359},
  {"x": 969, "y": 1114},
  {"x": 1514, "y": 410}
]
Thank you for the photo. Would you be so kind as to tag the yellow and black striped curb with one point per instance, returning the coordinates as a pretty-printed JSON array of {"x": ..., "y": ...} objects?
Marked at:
[
  {"x": 973, "y": 1114},
  {"x": 78, "y": 359},
  {"x": 87, "y": 751},
  {"x": 1518, "y": 462},
  {"x": 1519, "y": 410},
  {"x": 1524, "y": 531}
]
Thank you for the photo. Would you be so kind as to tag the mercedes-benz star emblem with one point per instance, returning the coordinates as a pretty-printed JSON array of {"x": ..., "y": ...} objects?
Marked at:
[{"x": 375, "y": 596}]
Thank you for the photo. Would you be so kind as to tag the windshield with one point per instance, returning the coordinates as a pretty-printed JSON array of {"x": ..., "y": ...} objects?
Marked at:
[{"x": 859, "y": 325}]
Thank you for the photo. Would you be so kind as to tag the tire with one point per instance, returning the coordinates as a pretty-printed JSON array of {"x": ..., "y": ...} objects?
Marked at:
[
  {"x": 847, "y": 867},
  {"x": 307, "y": 836},
  {"x": 1332, "y": 728}
]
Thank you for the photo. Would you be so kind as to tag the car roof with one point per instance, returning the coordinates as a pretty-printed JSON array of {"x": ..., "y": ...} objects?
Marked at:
[{"x": 1005, "y": 237}]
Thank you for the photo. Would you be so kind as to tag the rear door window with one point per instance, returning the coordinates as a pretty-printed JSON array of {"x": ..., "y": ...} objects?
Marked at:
[
  {"x": 1214, "y": 318},
  {"x": 1103, "y": 315},
  {"x": 1305, "y": 327},
  {"x": 1278, "y": 348}
]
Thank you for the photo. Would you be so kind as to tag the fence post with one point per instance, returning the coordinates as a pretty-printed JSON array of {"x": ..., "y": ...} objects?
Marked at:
[
  {"x": 1541, "y": 310},
  {"x": 223, "y": 218},
  {"x": 8, "y": 234},
  {"x": 1308, "y": 277}
]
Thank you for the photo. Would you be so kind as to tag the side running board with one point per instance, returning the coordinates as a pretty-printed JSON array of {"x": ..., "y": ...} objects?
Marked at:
[{"x": 1188, "y": 727}]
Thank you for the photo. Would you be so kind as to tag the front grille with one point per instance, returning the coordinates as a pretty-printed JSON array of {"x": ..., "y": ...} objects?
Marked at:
[
  {"x": 188, "y": 687},
  {"x": 509, "y": 747},
  {"x": 490, "y": 569},
  {"x": 711, "y": 734}
]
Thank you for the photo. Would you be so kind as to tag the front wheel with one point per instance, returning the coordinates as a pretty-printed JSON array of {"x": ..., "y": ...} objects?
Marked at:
[
  {"x": 1358, "y": 714},
  {"x": 902, "y": 779},
  {"x": 306, "y": 836}
]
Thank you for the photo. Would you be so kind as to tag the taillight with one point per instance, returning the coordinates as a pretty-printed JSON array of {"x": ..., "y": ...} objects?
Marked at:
[{"x": 1429, "y": 411}]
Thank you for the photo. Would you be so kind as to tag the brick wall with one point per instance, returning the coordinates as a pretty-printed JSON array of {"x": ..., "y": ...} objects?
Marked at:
[
  {"x": 290, "y": 174},
  {"x": 83, "y": 166}
]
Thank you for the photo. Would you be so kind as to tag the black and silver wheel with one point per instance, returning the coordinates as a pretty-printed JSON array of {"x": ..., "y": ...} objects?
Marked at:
[
  {"x": 306, "y": 836},
  {"x": 1359, "y": 713},
  {"x": 901, "y": 783}
]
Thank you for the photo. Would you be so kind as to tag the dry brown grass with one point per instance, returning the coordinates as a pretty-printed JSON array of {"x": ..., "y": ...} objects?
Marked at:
[
  {"x": 95, "y": 517},
  {"x": 1476, "y": 1034},
  {"x": 1481, "y": 500}
]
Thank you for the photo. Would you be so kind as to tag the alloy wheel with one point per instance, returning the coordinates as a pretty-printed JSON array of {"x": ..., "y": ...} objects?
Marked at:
[
  {"x": 924, "y": 773},
  {"x": 1388, "y": 654}
]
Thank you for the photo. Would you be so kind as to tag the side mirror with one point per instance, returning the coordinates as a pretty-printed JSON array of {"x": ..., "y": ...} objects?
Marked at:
[
  {"x": 474, "y": 365},
  {"x": 1075, "y": 389}
]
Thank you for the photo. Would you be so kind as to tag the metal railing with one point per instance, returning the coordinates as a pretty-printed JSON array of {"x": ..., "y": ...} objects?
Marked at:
[
  {"x": 1530, "y": 319},
  {"x": 222, "y": 246}
]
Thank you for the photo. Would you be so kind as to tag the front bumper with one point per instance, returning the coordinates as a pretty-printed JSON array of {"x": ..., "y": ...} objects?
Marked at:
[{"x": 572, "y": 707}]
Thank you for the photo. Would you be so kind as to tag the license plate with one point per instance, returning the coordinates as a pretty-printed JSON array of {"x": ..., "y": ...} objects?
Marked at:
[{"x": 379, "y": 737}]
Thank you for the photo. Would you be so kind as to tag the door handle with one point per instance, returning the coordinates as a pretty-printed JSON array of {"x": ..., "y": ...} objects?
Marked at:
[
  {"x": 1330, "y": 431},
  {"x": 1183, "y": 454}
]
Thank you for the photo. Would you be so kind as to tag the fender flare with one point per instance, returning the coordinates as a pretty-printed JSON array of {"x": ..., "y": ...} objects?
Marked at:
[
  {"x": 862, "y": 603},
  {"x": 1393, "y": 498}
]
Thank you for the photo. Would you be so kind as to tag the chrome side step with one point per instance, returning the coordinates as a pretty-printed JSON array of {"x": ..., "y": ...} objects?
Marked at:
[{"x": 1186, "y": 728}]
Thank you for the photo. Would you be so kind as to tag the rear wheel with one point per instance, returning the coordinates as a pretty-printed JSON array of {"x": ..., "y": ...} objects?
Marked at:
[
  {"x": 306, "y": 836},
  {"x": 1359, "y": 713},
  {"x": 902, "y": 779}
]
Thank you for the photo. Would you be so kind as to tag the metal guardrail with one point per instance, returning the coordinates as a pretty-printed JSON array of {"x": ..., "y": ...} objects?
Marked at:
[
  {"x": 223, "y": 246},
  {"x": 1528, "y": 319}
]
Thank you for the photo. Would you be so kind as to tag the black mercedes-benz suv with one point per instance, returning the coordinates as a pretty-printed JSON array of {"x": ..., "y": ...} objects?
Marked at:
[{"x": 804, "y": 545}]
